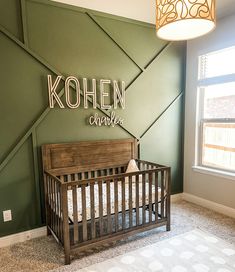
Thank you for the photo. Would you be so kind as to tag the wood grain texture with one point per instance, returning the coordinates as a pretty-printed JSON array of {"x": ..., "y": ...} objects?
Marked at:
[{"x": 87, "y": 156}]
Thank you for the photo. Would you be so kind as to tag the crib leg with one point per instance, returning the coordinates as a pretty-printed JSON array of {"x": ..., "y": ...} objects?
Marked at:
[
  {"x": 48, "y": 231},
  {"x": 67, "y": 259},
  {"x": 168, "y": 224},
  {"x": 154, "y": 208},
  {"x": 168, "y": 202}
]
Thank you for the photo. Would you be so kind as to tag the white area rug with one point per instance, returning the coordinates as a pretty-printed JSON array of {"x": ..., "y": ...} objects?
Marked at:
[{"x": 194, "y": 251}]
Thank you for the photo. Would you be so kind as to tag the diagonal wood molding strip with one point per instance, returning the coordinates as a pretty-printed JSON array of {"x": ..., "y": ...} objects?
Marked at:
[
  {"x": 26, "y": 135},
  {"x": 149, "y": 64},
  {"x": 36, "y": 170},
  {"x": 24, "y": 21},
  {"x": 125, "y": 51},
  {"x": 157, "y": 55},
  {"x": 160, "y": 115}
]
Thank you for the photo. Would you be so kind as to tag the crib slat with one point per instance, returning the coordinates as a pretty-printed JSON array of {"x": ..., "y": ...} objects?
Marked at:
[
  {"x": 52, "y": 205},
  {"x": 100, "y": 207},
  {"x": 137, "y": 200},
  {"x": 143, "y": 198},
  {"x": 56, "y": 209},
  {"x": 61, "y": 218},
  {"x": 130, "y": 201},
  {"x": 150, "y": 197},
  {"x": 165, "y": 188},
  {"x": 108, "y": 205},
  {"x": 66, "y": 236},
  {"x": 75, "y": 214},
  {"x": 82, "y": 175},
  {"x": 95, "y": 174},
  {"x": 89, "y": 174},
  {"x": 156, "y": 197},
  {"x": 84, "y": 217},
  {"x": 123, "y": 205},
  {"x": 116, "y": 203},
  {"x": 92, "y": 210},
  {"x": 168, "y": 195},
  {"x": 48, "y": 201},
  {"x": 162, "y": 193}
]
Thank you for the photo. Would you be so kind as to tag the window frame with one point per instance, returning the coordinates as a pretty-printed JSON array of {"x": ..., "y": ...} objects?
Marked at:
[
  {"x": 202, "y": 83},
  {"x": 201, "y": 145}
]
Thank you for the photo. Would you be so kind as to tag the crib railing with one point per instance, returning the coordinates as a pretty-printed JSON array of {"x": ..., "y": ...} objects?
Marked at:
[{"x": 119, "y": 203}]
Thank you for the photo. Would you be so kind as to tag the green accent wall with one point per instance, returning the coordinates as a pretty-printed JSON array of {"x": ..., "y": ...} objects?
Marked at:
[
  {"x": 38, "y": 38},
  {"x": 10, "y": 18}
]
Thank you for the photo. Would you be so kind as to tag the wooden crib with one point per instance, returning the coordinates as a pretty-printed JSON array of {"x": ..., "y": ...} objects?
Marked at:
[{"x": 89, "y": 198}]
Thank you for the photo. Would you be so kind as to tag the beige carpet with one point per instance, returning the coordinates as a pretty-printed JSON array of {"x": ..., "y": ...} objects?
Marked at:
[
  {"x": 43, "y": 254},
  {"x": 196, "y": 251}
]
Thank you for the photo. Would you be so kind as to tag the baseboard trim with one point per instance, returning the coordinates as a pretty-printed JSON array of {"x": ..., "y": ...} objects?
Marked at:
[
  {"x": 176, "y": 197},
  {"x": 39, "y": 232},
  {"x": 209, "y": 204},
  {"x": 22, "y": 236}
]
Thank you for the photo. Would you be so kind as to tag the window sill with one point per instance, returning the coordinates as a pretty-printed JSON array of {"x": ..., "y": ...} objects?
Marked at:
[{"x": 214, "y": 172}]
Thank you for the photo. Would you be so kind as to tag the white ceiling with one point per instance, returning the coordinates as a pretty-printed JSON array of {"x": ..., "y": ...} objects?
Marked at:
[{"x": 142, "y": 10}]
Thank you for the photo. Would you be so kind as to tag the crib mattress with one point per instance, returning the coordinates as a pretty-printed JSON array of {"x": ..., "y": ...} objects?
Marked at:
[{"x": 112, "y": 199}]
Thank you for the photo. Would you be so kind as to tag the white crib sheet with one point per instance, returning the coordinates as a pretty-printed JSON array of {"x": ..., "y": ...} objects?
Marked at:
[{"x": 112, "y": 202}]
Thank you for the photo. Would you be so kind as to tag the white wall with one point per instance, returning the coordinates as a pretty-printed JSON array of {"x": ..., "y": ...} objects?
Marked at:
[
  {"x": 141, "y": 10},
  {"x": 217, "y": 189}
]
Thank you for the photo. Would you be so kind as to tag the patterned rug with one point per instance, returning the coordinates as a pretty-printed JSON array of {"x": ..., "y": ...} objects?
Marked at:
[{"x": 194, "y": 251}]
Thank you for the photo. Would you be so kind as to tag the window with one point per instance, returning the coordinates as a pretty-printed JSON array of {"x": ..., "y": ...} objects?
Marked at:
[{"x": 216, "y": 110}]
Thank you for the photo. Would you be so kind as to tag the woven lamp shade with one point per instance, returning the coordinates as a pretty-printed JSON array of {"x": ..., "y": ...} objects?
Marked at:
[{"x": 184, "y": 19}]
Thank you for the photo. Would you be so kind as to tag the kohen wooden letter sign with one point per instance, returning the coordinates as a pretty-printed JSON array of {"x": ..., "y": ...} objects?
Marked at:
[{"x": 72, "y": 100}]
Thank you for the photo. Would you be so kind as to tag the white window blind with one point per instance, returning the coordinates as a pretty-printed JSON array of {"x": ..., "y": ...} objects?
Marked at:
[
  {"x": 216, "y": 137},
  {"x": 217, "y": 63}
]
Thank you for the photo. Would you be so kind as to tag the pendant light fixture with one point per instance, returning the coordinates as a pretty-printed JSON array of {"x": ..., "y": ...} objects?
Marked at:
[{"x": 184, "y": 19}]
